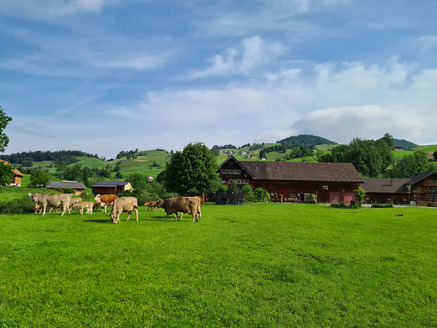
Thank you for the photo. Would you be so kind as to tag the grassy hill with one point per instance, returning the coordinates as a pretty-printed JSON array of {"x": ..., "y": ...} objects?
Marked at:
[{"x": 152, "y": 162}]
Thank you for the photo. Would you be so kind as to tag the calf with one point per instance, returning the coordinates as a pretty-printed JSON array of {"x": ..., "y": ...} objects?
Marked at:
[{"x": 82, "y": 205}]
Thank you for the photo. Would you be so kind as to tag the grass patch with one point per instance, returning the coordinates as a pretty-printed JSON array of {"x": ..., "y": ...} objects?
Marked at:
[{"x": 263, "y": 265}]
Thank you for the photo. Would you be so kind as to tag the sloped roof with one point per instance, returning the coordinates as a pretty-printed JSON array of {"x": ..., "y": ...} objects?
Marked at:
[
  {"x": 386, "y": 186},
  {"x": 16, "y": 172},
  {"x": 110, "y": 184},
  {"x": 303, "y": 171},
  {"x": 419, "y": 177},
  {"x": 66, "y": 184}
]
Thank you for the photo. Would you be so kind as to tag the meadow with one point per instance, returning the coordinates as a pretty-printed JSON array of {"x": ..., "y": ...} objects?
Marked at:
[{"x": 262, "y": 265}]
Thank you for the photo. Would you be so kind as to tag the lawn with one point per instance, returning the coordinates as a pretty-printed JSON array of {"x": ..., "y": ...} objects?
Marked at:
[{"x": 263, "y": 265}]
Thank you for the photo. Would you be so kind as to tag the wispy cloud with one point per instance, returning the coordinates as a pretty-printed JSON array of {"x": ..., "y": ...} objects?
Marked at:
[
  {"x": 48, "y": 8},
  {"x": 139, "y": 63},
  {"x": 252, "y": 53}
]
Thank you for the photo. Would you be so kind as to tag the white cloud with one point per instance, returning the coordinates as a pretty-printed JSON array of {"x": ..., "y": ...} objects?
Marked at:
[
  {"x": 252, "y": 53},
  {"x": 139, "y": 63},
  {"x": 47, "y": 8}
]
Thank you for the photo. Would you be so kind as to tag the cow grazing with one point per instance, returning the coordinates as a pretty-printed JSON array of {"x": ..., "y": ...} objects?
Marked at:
[
  {"x": 105, "y": 200},
  {"x": 52, "y": 200},
  {"x": 175, "y": 205},
  {"x": 123, "y": 204},
  {"x": 84, "y": 205}
]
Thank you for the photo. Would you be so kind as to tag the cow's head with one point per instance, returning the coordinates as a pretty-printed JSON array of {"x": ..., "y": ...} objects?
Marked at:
[
  {"x": 97, "y": 198},
  {"x": 35, "y": 196},
  {"x": 159, "y": 203}
]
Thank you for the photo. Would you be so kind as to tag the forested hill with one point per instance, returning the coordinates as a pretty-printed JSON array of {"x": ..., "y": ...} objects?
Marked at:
[
  {"x": 406, "y": 145},
  {"x": 305, "y": 140},
  {"x": 66, "y": 156}
]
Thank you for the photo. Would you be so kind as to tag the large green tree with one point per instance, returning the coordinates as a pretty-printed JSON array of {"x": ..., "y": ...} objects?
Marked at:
[
  {"x": 4, "y": 120},
  {"x": 410, "y": 165},
  {"x": 6, "y": 173},
  {"x": 370, "y": 157},
  {"x": 40, "y": 178},
  {"x": 193, "y": 171}
]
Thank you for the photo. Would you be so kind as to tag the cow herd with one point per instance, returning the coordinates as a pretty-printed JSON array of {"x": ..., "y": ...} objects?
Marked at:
[{"x": 65, "y": 203}]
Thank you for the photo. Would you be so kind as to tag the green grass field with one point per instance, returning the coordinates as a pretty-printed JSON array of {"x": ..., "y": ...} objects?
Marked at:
[{"x": 263, "y": 265}]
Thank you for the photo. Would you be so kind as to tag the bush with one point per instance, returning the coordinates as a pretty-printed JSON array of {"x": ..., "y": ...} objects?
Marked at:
[
  {"x": 22, "y": 205},
  {"x": 338, "y": 205}
]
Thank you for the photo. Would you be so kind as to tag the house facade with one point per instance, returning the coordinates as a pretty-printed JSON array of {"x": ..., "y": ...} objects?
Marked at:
[
  {"x": 419, "y": 189},
  {"x": 296, "y": 181},
  {"x": 111, "y": 187}
]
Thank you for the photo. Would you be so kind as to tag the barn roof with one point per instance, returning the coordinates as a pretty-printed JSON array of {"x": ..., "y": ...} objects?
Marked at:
[
  {"x": 66, "y": 184},
  {"x": 387, "y": 186},
  {"x": 16, "y": 172},
  {"x": 110, "y": 184},
  {"x": 302, "y": 171}
]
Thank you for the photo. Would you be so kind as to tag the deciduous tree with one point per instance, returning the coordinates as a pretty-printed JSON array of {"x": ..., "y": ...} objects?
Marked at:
[{"x": 193, "y": 171}]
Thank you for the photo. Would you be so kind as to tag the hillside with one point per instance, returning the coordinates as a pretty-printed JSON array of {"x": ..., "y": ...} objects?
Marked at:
[{"x": 152, "y": 162}]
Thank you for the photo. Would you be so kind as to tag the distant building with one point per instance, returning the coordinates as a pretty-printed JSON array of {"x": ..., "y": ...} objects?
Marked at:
[
  {"x": 419, "y": 189},
  {"x": 296, "y": 181},
  {"x": 78, "y": 187},
  {"x": 18, "y": 176},
  {"x": 111, "y": 187}
]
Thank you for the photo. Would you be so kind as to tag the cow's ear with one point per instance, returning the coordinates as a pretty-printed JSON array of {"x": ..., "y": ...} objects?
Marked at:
[{"x": 29, "y": 195}]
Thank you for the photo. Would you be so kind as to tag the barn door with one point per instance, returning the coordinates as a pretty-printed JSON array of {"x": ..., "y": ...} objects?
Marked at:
[{"x": 335, "y": 197}]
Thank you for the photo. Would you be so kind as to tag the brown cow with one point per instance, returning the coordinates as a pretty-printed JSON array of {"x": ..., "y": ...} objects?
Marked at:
[
  {"x": 105, "y": 200},
  {"x": 174, "y": 205},
  {"x": 123, "y": 204},
  {"x": 151, "y": 205}
]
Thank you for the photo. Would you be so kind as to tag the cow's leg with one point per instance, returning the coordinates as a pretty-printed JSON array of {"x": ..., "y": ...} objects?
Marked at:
[
  {"x": 176, "y": 216},
  {"x": 136, "y": 213},
  {"x": 128, "y": 216},
  {"x": 44, "y": 206}
]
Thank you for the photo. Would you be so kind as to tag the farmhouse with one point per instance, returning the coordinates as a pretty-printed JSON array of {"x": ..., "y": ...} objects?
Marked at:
[
  {"x": 419, "y": 189},
  {"x": 111, "y": 187},
  {"x": 18, "y": 176},
  {"x": 295, "y": 181},
  {"x": 78, "y": 187}
]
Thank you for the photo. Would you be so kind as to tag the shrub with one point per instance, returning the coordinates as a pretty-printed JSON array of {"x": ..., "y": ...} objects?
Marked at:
[{"x": 22, "y": 205}]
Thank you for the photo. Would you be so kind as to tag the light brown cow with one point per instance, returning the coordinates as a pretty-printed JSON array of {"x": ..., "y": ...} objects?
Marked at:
[
  {"x": 82, "y": 205},
  {"x": 123, "y": 204},
  {"x": 105, "y": 200},
  {"x": 174, "y": 205},
  {"x": 74, "y": 201},
  {"x": 52, "y": 200}
]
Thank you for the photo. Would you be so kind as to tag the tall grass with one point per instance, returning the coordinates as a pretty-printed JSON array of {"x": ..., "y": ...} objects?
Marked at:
[{"x": 264, "y": 265}]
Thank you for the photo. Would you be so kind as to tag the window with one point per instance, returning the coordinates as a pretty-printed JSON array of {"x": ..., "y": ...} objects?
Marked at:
[
  {"x": 227, "y": 171},
  {"x": 239, "y": 181}
]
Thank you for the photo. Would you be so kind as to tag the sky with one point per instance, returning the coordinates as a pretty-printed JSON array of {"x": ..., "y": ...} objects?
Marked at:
[{"x": 102, "y": 76}]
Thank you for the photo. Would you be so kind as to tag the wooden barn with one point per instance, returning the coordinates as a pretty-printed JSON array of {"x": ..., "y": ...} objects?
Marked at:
[
  {"x": 78, "y": 187},
  {"x": 419, "y": 189},
  {"x": 111, "y": 187},
  {"x": 296, "y": 181}
]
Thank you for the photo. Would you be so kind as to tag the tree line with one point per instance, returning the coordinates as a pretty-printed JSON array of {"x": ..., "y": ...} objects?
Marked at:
[{"x": 27, "y": 158}]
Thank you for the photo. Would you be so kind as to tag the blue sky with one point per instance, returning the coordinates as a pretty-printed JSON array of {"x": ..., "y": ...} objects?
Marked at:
[{"x": 103, "y": 76}]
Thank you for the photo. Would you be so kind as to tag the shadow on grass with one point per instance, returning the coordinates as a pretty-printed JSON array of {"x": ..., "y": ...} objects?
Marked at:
[{"x": 98, "y": 221}]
